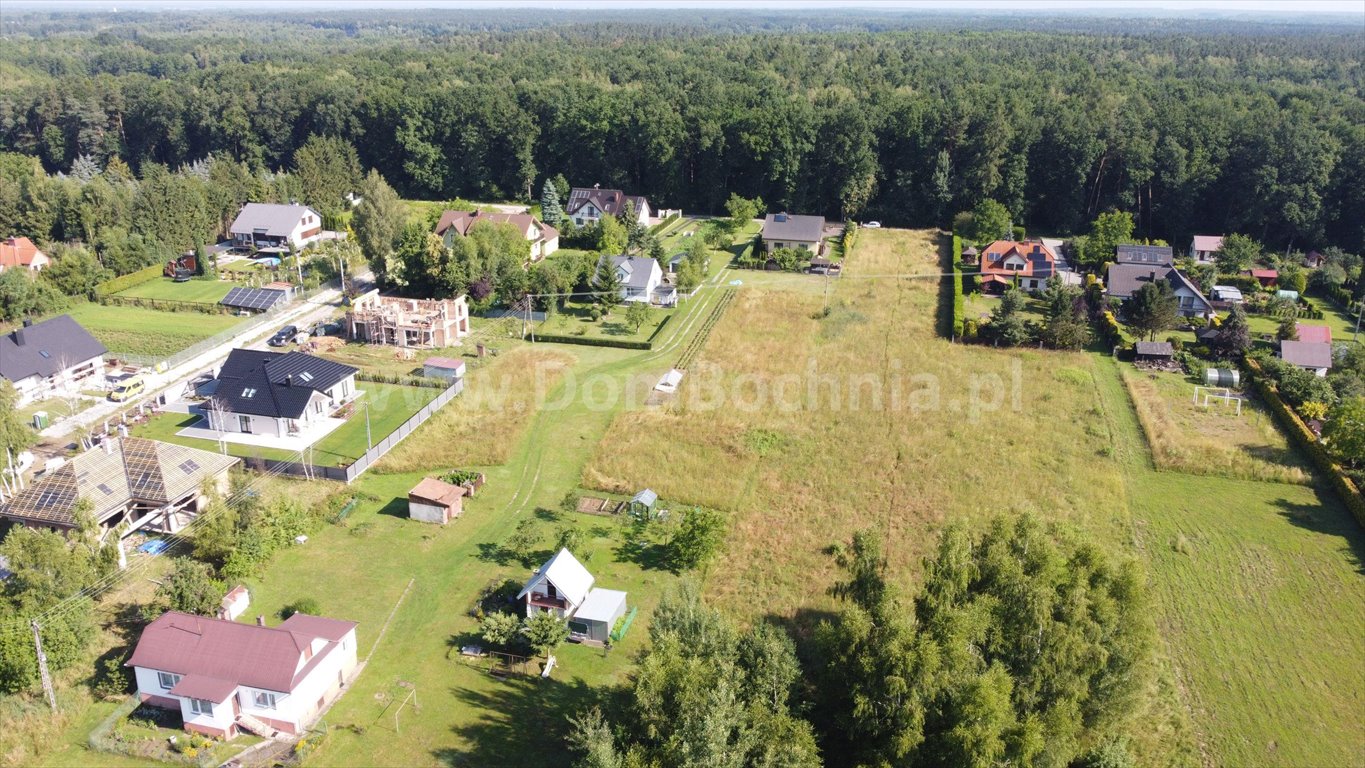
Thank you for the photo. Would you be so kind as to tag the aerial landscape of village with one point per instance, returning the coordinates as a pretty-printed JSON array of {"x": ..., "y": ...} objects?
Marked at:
[{"x": 682, "y": 384}]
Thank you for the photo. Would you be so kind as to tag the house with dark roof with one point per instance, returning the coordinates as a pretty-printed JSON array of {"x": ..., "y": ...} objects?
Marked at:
[
  {"x": 589, "y": 204},
  {"x": 641, "y": 279},
  {"x": 51, "y": 358},
  {"x": 275, "y": 226},
  {"x": 1123, "y": 280},
  {"x": 1205, "y": 248},
  {"x": 544, "y": 238},
  {"x": 140, "y": 484},
  {"x": 277, "y": 393},
  {"x": 1004, "y": 262},
  {"x": 21, "y": 253},
  {"x": 1312, "y": 356},
  {"x": 786, "y": 230},
  {"x": 1152, "y": 255},
  {"x": 224, "y": 677}
]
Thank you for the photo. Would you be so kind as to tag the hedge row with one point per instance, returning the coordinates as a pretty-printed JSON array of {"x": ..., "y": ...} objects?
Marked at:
[
  {"x": 658, "y": 330},
  {"x": 850, "y": 236},
  {"x": 959, "y": 302},
  {"x": 1109, "y": 330},
  {"x": 124, "y": 282},
  {"x": 168, "y": 305},
  {"x": 589, "y": 341},
  {"x": 407, "y": 381},
  {"x": 1301, "y": 434}
]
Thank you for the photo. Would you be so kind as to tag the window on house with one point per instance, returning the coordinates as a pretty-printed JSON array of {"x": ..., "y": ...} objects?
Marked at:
[
  {"x": 265, "y": 700},
  {"x": 201, "y": 707},
  {"x": 167, "y": 680}
]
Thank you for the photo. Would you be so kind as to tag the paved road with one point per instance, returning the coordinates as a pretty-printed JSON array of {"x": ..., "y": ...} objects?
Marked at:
[{"x": 172, "y": 382}]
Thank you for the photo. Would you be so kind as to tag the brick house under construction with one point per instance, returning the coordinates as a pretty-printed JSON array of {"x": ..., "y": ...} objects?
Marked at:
[{"x": 399, "y": 322}]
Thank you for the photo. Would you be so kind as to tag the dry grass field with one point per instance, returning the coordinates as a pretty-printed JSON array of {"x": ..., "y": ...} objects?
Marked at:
[
  {"x": 482, "y": 426},
  {"x": 804, "y": 447},
  {"x": 1186, "y": 437}
]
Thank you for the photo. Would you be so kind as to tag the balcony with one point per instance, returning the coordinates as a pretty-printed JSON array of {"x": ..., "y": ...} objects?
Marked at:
[{"x": 551, "y": 602}]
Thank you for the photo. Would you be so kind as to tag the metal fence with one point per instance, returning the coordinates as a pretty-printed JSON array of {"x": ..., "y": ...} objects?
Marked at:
[
  {"x": 356, "y": 468},
  {"x": 252, "y": 326}
]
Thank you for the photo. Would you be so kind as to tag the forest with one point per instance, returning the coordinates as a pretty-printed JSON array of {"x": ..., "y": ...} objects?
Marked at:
[{"x": 1188, "y": 125}]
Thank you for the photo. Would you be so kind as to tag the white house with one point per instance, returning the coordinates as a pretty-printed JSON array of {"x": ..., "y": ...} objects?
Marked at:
[
  {"x": 587, "y": 205},
  {"x": 21, "y": 253},
  {"x": 234, "y": 603},
  {"x": 224, "y": 677},
  {"x": 562, "y": 586},
  {"x": 785, "y": 230},
  {"x": 544, "y": 238},
  {"x": 270, "y": 225},
  {"x": 277, "y": 393},
  {"x": 1204, "y": 248},
  {"x": 1312, "y": 356},
  {"x": 50, "y": 359},
  {"x": 559, "y": 586},
  {"x": 640, "y": 277}
]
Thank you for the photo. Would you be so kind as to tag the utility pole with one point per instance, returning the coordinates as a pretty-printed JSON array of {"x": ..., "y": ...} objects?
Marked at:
[{"x": 42, "y": 667}]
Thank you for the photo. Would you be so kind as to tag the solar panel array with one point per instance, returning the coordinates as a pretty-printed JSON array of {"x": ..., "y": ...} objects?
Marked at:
[{"x": 259, "y": 299}]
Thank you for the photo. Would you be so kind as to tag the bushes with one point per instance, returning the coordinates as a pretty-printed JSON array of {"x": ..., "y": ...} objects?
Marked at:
[
  {"x": 1108, "y": 328},
  {"x": 407, "y": 381},
  {"x": 594, "y": 342},
  {"x": 124, "y": 282},
  {"x": 306, "y": 605},
  {"x": 1304, "y": 437},
  {"x": 959, "y": 303},
  {"x": 165, "y": 305}
]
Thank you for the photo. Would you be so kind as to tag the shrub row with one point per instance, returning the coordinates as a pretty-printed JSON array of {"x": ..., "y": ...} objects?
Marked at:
[
  {"x": 658, "y": 330},
  {"x": 168, "y": 305},
  {"x": 959, "y": 302},
  {"x": 124, "y": 282},
  {"x": 594, "y": 342},
  {"x": 1108, "y": 328},
  {"x": 1304, "y": 437},
  {"x": 850, "y": 236},
  {"x": 405, "y": 380}
]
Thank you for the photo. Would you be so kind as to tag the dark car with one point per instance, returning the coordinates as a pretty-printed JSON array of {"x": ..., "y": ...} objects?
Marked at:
[{"x": 283, "y": 336}]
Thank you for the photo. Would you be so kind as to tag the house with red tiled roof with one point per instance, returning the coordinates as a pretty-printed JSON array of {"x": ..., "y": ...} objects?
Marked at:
[
  {"x": 544, "y": 238},
  {"x": 21, "y": 253},
  {"x": 1005, "y": 262},
  {"x": 224, "y": 677},
  {"x": 1266, "y": 277},
  {"x": 1314, "y": 334}
]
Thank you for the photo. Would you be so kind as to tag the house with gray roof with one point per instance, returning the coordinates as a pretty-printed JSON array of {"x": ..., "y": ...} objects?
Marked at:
[
  {"x": 52, "y": 358},
  {"x": 1155, "y": 255},
  {"x": 640, "y": 276},
  {"x": 1312, "y": 356},
  {"x": 272, "y": 226},
  {"x": 1124, "y": 280},
  {"x": 786, "y": 230},
  {"x": 277, "y": 393}
]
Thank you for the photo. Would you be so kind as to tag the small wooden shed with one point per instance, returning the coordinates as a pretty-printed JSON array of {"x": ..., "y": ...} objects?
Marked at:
[
  {"x": 435, "y": 501},
  {"x": 1155, "y": 352}
]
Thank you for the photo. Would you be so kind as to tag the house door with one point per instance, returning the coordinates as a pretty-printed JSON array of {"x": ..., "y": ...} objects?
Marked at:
[{"x": 244, "y": 423}]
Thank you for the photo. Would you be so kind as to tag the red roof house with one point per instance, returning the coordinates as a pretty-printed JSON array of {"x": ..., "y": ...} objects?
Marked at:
[
  {"x": 1267, "y": 277},
  {"x": 1314, "y": 334},
  {"x": 1003, "y": 262},
  {"x": 223, "y": 676},
  {"x": 21, "y": 252}
]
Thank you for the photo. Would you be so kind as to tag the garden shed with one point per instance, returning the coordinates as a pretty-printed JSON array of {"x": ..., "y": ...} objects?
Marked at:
[
  {"x": 435, "y": 501},
  {"x": 594, "y": 619},
  {"x": 447, "y": 368},
  {"x": 1155, "y": 352}
]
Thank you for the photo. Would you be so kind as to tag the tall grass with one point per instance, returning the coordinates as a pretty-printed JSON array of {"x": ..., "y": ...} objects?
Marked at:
[{"x": 1185, "y": 437}]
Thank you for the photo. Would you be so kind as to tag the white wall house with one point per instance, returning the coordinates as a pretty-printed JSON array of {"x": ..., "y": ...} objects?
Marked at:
[
  {"x": 587, "y": 205},
  {"x": 640, "y": 277},
  {"x": 54, "y": 358},
  {"x": 1204, "y": 248},
  {"x": 787, "y": 230},
  {"x": 224, "y": 677},
  {"x": 270, "y": 225},
  {"x": 277, "y": 393},
  {"x": 544, "y": 239},
  {"x": 563, "y": 587}
]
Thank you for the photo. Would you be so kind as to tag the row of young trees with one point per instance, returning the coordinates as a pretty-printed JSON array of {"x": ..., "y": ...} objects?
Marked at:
[
  {"x": 1258, "y": 131},
  {"x": 1024, "y": 646}
]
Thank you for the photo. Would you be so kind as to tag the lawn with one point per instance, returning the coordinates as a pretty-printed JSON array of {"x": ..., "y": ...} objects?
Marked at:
[
  {"x": 575, "y": 319},
  {"x": 57, "y": 408},
  {"x": 1212, "y": 440},
  {"x": 208, "y": 291},
  {"x": 389, "y": 406},
  {"x": 148, "y": 332}
]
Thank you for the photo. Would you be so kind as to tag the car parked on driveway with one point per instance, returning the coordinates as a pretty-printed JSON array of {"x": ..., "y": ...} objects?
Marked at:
[
  {"x": 872, "y": 225},
  {"x": 283, "y": 336}
]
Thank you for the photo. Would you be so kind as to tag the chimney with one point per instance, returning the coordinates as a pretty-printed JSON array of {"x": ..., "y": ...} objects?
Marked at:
[
  {"x": 18, "y": 335},
  {"x": 28, "y": 322},
  {"x": 260, "y": 620},
  {"x": 289, "y": 380},
  {"x": 597, "y": 186}
]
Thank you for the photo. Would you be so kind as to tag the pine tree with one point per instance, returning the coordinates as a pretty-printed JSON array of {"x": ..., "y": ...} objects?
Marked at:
[
  {"x": 1234, "y": 335},
  {"x": 607, "y": 285},
  {"x": 551, "y": 212}
]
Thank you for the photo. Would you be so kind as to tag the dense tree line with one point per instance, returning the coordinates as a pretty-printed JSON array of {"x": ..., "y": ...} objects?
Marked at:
[{"x": 1261, "y": 131}]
